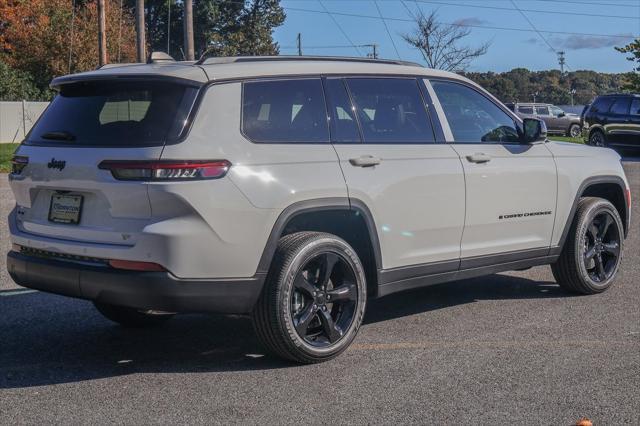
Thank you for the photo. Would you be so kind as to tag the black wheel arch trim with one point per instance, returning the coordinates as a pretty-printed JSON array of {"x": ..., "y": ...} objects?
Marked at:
[
  {"x": 594, "y": 180},
  {"x": 318, "y": 205}
]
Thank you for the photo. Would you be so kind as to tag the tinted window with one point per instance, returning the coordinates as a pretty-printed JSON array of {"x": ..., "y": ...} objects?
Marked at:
[
  {"x": 620, "y": 106},
  {"x": 344, "y": 127},
  {"x": 601, "y": 104},
  {"x": 556, "y": 111},
  {"x": 525, "y": 110},
  {"x": 635, "y": 106},
  {"x": 472, "y": 117},
  {"x": 542, "y": 110},
  {"x": 283, "y": 111},
  {"x": 115, "y": 114},
  {"x": 390, "y": 110}
]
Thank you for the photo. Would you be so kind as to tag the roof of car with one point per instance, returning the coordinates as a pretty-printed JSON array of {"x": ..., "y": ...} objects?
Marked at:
[{"x": 224, "y": 68}]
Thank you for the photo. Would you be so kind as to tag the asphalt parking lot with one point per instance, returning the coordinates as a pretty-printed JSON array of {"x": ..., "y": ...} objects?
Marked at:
[{"x": 505, "y": 349}]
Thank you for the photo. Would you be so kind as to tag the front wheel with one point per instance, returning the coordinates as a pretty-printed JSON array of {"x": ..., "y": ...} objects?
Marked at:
[
  {"x": 597, "y": 139},
  {"x": 313, "y": 300},
  {"x": 591, "y": 256}
]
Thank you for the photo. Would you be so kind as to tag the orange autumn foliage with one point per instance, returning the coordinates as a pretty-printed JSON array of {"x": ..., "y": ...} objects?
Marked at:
[{"x": 35, "y": 36}]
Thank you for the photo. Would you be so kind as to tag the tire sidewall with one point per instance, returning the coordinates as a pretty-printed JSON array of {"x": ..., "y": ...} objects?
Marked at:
[
  {"x": 581, "y": 235},
  {"x": 595, "y": 134},
  {"x": 573, "y": 126},
  {"x": 290, "y": 271}
]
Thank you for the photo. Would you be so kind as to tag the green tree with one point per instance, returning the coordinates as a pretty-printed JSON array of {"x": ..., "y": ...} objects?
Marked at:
[
  {"x": 17, "y": 85},
  {"x": 221, "y": 28},
  {"x": 633, "y": 78}
]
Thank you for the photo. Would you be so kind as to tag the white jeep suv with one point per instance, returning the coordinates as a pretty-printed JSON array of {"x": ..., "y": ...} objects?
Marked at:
[{"x": 294, "y": 189}]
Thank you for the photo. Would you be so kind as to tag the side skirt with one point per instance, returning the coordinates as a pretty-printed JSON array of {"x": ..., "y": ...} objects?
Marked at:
[{"x": 391, "y": 281}]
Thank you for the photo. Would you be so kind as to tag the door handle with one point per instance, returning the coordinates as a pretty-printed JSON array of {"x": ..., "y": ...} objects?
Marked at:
[
  {"x": 365, "y": 161},
  {"x": 479, "y": 157}
]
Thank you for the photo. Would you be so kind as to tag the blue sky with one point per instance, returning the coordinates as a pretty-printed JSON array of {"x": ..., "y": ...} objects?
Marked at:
[{"x": 587, "y": 48}]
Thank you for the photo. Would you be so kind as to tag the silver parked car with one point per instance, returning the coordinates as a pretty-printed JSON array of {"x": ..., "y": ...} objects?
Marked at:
[{"x": 557, "y": 121}]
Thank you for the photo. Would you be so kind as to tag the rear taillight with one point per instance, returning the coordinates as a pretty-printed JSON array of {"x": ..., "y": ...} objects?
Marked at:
[
  {"x": 18, "y": 162},
  {"x": 166, "y": 170}
]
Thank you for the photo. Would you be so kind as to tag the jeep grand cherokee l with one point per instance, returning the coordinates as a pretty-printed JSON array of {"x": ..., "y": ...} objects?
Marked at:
[{"x": 294, "y": 189}]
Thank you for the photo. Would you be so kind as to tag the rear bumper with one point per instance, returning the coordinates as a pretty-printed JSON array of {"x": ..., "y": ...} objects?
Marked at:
[{"x": 145, "y": 290}]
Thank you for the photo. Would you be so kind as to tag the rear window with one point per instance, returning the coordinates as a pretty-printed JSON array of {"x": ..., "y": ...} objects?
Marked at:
[
  {"x": 284, "y": 111},
  {"x": 124, "y": 114}
]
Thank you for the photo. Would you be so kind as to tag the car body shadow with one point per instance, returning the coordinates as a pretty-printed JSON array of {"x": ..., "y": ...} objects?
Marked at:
[{"x": 47, "y": 339}]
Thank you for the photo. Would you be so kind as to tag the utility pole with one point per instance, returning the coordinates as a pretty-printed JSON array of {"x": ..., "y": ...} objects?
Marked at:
[
  {"x": 534, "y": 95},
  {"x": 299, "y": 41},
  {"x": 140, "y": 43},
  {"x": 188, "y": 29},
  {"x": 102, "y": 35},
  {"x": 561, "y": 61},
  {"x": 374, "y": 52}
]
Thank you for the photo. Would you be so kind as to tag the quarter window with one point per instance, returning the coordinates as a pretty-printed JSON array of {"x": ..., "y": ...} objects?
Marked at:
[
  {"x": 284, "y": 111},
  {"x": 601, "y": 104},
  {"x": 620, "y": 106},
  {"x": 472, "y": 117},
  {"x": 390, "y": 110}
]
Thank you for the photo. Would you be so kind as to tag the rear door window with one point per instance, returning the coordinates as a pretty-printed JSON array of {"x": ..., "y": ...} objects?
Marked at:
[
  {"x": 342, "y": 117},
  {"x": 635, "y": 106},
  {"x": 284, "y": 111},
  {"x": 390, "y": 110},
  {"x": 620, "y": 106},
  {"x": 602, "y": 104},
  {"x": 123, "y": 114},
  {"x": 542, "y": 110},
  {"x": 525, "y": 110}
]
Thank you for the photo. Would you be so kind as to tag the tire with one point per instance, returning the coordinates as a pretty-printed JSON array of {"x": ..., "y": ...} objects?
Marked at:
[
  {"x": 574, "y": 131},
  {"x": 131, "y": 317},
  {"x": 591, "y": 255},
  {"x": 597, "y": 138},
  {"x": 293, "y": 323}
]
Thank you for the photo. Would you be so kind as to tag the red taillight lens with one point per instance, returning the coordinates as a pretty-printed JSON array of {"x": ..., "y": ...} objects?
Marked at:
[
  {"x": 136, "y": 266},
  {"x": 166, "y": 170},
  {"x": 18, "y": 162}
]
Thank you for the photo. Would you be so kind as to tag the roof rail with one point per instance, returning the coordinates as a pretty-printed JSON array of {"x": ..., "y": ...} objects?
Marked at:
[
  {"x": 159, "y": 57},
  {"x": 236, "y": 59}
]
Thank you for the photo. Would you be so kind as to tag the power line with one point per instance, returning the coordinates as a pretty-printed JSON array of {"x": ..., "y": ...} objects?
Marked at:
[
  {"x": 539, "y": 33},
  {"x": 356, "y": 15},
  {"x": 526, "y": 10},
  {"x": 546, "y": 1},
  {"x": 387, "y": 28},
  {"x": 335, "y": 21}
]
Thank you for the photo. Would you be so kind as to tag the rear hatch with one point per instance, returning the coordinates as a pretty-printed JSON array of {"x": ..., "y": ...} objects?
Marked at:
[{"x": 60, "y": 190}]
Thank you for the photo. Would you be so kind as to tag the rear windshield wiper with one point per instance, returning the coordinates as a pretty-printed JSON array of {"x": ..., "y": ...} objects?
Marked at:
[{"x": 60, "y": 136}]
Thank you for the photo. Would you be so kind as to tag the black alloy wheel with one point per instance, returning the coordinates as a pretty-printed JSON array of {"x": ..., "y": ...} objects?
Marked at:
[
  {"x": 597, "y": 139},
  {"x": 602, "y": 247},
  {"x": 324, "y": 299}
]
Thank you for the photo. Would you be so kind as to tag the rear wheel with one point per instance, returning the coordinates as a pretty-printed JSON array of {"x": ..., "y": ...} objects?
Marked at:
[
  {"x": 314, "y": 298},
  {"x": 597, "y": 139},
  {"x": 574, "y": 130},
  {"x": 591, "y": 255},
  {"x": 131, "y": 317}
]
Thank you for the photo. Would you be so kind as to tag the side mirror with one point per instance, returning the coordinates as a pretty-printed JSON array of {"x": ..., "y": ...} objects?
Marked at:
[
  {"x": 562, "y": 114},
  {"x": 534, "y": 130}
]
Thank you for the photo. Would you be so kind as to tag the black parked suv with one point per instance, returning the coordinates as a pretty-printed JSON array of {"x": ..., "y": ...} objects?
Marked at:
[{"x": 613, "y": 120}]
